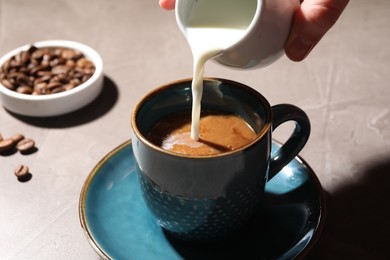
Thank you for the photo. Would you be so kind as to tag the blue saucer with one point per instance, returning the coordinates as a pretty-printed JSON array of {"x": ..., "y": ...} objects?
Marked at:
[{"x": 119, "y": 226}]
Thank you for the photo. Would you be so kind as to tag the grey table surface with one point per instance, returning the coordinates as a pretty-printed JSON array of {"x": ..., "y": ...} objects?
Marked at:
[{"x": 343, "y": 86}]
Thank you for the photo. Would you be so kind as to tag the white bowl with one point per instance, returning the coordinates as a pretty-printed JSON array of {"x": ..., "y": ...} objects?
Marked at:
[{"x": 57, "y": 103}]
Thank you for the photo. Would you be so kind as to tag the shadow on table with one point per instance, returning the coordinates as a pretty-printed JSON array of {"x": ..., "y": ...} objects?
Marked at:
[
  {"x": 97, "y": 108},
  {"x": 358, "y": 219}
]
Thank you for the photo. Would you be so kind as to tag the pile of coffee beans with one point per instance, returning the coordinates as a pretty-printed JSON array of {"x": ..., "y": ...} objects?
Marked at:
[
  {"x": 18, "y": 142},
  {"x": 41, "y": 71}
]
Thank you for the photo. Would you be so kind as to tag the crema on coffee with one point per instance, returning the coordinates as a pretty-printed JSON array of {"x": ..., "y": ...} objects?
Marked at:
[{"x": 218, "y": 133}]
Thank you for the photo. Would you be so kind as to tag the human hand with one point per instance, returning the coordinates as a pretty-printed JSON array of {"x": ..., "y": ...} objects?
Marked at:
[{"x": 311, "y": 21}]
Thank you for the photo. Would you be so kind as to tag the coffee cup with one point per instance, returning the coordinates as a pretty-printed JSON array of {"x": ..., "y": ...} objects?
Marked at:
[
  {"x": 266, "y": 24},
  {"x": 209, "y": 197}
]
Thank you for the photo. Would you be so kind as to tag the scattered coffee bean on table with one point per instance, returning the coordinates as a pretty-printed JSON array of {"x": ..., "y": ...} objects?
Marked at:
[
  {"x": 22, "y": 144},
  {"x": 17, "y": 137},
  {"x": 41, "y": 71},
  {"x": 6, "y": 144},
  {"x": 26, "y": 145},
  {"x": 21, "y": 171}
]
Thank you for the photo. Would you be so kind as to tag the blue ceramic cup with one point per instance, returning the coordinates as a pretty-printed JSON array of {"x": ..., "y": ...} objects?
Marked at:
[{"x": 206, "y": 198}]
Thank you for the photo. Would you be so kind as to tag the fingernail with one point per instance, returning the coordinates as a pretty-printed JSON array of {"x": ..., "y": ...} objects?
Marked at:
[{"x": 297, "y": 48}]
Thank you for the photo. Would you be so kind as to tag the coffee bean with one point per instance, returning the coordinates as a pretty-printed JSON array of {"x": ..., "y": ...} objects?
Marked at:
[
  {"x": 70, "y": 63},
  {"x": 38, "y": 54},
  {"x": 7, "y": 83},
  {"x": 57, "y": 62},
  {"x": 26, "y": 145},
  {"x": 23, "y": 80},
  {"x": 14, "y": 74},
  {"x": 84, "y": 63},
  {"x": 35, "y": 66},
  {"x": 6, "y": 144},
  {"x": 32, "y": 49},
  {"x": 58, "y": 89},
  {"x": 44, "y": 73},
  {"x": 69, "y": 86},
  {"x": 15, "y": 63},
  {"x": 17, "y": 138},
  {"x": 41, "y": 88},
  {"x": 42, "y": 78},
  {"x": 85, "y": 78},
  {"x": 71, "y": 54},
  {"x": 78, "y": 74},
  {"x": 24, "y": 90},
  {"x": 47, "y": 57},
  {"x": 21, "y": 171},
  {"x": 34, "y": 71},
  {"x": 60, "y": 69},
  {"x": 24, "y": 57},
  {"x": 53, "y": 85},
  {"x": 6, "y": 66}
]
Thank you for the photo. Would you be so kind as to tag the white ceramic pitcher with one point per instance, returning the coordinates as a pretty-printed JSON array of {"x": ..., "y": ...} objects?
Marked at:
[{"x": 267, "y": 24}]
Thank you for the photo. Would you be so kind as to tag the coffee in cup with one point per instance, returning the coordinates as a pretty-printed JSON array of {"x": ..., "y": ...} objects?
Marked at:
[
  {"x": 209, "y": 197},
  {"x": 218, "y": 133}
]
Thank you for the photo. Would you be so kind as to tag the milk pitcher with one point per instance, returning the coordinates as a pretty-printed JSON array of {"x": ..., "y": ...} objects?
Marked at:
[{"x": 266, "y": 25}]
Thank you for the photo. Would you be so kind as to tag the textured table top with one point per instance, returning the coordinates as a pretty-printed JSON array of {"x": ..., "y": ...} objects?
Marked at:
[{"x": 343, "y": 86}]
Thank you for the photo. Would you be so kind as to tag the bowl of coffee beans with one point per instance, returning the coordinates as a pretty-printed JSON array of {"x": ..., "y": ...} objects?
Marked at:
[{"x": 50, "y": 78}]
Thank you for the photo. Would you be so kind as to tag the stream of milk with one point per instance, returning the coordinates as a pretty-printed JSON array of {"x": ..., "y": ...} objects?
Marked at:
[
  {"x": 212, "y": 26},
  {"x": 202, "y": 50}
]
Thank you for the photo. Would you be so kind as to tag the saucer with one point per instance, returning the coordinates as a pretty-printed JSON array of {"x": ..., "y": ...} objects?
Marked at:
[{"x": 118, "y": 224}]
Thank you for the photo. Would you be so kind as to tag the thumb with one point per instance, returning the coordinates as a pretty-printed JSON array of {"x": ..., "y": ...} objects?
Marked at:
[{"x": 311, "y": 21}]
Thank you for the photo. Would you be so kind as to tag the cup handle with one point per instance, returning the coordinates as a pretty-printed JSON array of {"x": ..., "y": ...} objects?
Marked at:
[{"x": 297, "y": 140}]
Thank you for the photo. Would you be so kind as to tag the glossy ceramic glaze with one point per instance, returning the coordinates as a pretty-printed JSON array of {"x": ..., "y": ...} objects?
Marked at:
[
  {"x": 167, "y": 169},
  {"x": 58, "y": 103},
  {"x": 192, "y": 195},
  {"x": 264, "y": 40},
  {"x": 119, "y": 225}
]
